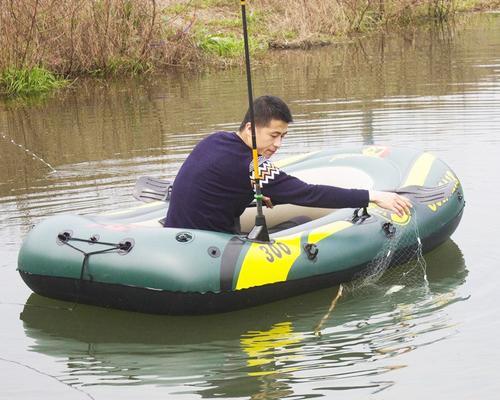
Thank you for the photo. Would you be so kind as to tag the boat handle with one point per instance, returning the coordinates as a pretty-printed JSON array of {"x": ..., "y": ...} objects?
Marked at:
[
  {"x": 311, "y": 251},
  {"x": 359, "y": 219},
  {"x": 389, "y": 229}
]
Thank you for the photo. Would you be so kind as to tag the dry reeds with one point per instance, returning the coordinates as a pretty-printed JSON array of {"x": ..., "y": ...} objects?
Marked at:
[
  {"x": 72, "y": 37},
  {"x": 75, "y": 37},
  {"x": 305, "y": 22}
]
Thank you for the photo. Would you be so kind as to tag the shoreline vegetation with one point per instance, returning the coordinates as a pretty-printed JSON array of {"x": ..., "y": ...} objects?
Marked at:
[{"x": 48, "y": 43}]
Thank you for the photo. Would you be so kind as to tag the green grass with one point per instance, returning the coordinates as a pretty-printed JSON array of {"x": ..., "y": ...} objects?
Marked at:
[
  {"x": 27, "y": 81},
  {"x": 226, "y": 23},
  {"x": 228, "y": 45},
  {"x": 222, "y": 46}
]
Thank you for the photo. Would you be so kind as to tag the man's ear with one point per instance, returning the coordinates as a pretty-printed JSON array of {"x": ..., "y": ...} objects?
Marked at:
[{"x": 248, "y": 126}]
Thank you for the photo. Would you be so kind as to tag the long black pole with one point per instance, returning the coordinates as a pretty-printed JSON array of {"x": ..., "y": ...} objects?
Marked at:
[{"x": 259, "y": 231}]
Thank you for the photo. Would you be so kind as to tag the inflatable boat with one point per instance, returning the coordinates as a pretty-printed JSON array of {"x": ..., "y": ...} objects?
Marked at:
[{"x": 128, "y": 260}]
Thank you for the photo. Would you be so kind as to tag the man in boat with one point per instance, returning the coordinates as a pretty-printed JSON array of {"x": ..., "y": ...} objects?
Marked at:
[{"x": 214, "y": 185}]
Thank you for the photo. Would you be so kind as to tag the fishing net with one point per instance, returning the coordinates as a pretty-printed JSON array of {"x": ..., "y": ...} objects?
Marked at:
[{"x": 398, "y": 264}]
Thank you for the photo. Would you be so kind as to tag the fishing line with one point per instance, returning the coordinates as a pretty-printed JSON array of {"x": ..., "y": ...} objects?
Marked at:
[{"x": 28, "y": 151}]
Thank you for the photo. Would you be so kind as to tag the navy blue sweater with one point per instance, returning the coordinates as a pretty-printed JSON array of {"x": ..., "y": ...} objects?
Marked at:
[{"x": 213, "y": 186}]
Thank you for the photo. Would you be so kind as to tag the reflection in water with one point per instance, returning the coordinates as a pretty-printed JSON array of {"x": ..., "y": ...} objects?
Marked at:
[{"x": 262, "y": 352}]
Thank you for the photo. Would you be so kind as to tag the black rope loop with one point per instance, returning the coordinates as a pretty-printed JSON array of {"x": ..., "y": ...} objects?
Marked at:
[
  {"x": 125, "y": 246},
  {"x": 122, "y": 248},
  {"x": 64, "y": 237}
]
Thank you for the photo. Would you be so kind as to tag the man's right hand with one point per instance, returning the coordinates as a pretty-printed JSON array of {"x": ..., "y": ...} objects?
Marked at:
[{"x": 391, "y": 201}]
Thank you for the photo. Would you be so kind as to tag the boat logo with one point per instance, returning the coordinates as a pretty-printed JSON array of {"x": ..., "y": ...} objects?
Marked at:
[
  {"x": 388, "y": 216},
  {"x": 376, "y": 151}
]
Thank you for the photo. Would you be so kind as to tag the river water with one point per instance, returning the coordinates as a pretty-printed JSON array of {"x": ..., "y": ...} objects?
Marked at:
[{"x": 436, "y": 88}]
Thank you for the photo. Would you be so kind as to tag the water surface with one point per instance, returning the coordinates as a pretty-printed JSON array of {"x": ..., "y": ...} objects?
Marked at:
[{"x": 436, "y": 88}]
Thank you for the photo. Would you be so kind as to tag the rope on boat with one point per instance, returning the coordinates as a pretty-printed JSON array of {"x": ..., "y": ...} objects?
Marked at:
[{"x": 65, "y": 237}]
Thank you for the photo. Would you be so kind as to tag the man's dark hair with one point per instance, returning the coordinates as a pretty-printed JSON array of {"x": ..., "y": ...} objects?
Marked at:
[{"x": 267, "y": 108}]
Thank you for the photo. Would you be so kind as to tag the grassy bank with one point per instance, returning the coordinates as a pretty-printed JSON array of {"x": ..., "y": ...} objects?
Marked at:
[
  {"x": 26, "y": 81},
  {"x": 44, "y": 41}
]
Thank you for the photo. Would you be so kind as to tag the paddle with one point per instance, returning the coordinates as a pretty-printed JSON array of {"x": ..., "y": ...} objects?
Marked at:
[
  {"x": 149, "y": 189},
  {"x": 427, "y": 195}
]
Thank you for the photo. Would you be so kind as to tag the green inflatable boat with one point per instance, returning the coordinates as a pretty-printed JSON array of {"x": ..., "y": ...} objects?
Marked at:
[{"x": 127, "y": 260}]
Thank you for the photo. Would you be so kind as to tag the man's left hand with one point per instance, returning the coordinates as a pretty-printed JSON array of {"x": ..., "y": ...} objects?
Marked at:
[{"x": 267, "y": 202}]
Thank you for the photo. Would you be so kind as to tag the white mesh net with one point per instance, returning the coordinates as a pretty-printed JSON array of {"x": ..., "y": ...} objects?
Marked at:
[{"x": 397, "y": 265}]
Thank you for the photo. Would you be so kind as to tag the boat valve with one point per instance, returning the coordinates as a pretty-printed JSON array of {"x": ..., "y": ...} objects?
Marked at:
[
  {"x": 213, "y": 251},
  {"x": 311, "y": 251},
  {"x": 184, "y": 237}
]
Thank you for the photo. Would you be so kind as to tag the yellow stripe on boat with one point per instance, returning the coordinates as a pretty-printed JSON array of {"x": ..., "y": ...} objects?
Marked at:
[
  {"x": 293, "y": 159},
  {"x": 420, "y": 170},
  {"x": 322, "y": 232},
  {"x": 375, "y": 151},
  {"x": 267, "y": 263}
]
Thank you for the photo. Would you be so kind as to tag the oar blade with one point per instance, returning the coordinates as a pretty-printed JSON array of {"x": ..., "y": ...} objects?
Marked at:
[
  {"x": 150, "y": 189},
  {"x": 427, "y": 195}
]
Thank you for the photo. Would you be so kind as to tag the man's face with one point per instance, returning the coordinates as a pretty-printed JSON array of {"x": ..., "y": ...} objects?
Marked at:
[{"x": 270, "y": 137}]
